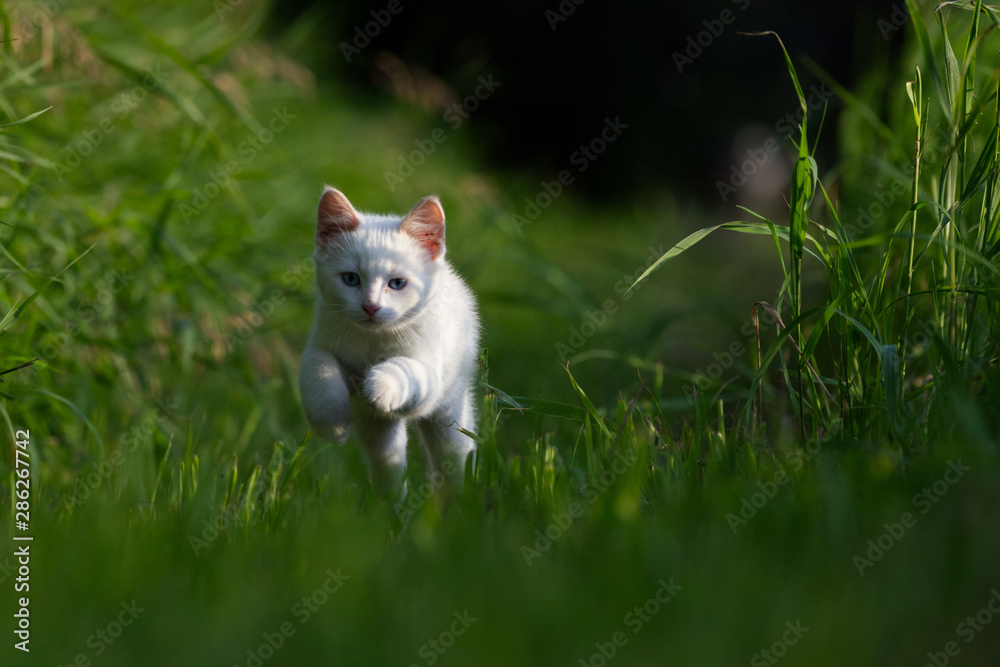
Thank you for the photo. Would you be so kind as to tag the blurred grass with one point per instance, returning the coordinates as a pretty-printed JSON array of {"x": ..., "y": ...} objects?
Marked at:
[{"x": 172, "y": 465}]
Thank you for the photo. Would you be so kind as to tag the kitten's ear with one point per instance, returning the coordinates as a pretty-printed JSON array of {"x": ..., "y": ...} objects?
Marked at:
[
  {"x": 335, "y": 216},
  {"x": 425, "y": 223}
]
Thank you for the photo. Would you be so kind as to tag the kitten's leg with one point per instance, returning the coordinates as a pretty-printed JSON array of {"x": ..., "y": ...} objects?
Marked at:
[
  {"x": 384, "y": 440},
  {"x": 448, "y": 448},
  {"x": 325, "y": 396}
]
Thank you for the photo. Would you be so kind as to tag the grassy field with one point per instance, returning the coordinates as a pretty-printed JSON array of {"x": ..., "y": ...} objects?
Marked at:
[{"x": 647, "y": 491}]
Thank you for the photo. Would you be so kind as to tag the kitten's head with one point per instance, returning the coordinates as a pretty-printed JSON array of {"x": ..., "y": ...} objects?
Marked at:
[{"x": 376, "y": 271}]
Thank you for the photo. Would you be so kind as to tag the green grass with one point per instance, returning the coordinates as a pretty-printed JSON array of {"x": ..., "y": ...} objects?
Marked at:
[{"x": 172, "y": 465}]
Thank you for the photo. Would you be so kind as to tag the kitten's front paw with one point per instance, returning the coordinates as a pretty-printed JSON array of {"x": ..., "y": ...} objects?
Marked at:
[
  {"x": 339, "y": 433},
  {"x": 387, "y": 387}
]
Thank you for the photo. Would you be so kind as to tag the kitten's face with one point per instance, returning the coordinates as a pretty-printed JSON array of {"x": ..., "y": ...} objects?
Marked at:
[
  {"x": 372, "y": 285},
  {"x": 375, "y": 271}
]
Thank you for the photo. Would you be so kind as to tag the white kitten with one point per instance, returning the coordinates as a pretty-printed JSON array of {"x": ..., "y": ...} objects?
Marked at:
[{"x": 395, "y": 339}]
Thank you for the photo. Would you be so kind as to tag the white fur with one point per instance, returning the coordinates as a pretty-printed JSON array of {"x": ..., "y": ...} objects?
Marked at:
[{"x": 411, "y": 362}]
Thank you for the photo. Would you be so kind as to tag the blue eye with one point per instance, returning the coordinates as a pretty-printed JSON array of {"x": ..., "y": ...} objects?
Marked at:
[
  {"x": 351, "y": 279},
  {"x": 397, "y": 283}
]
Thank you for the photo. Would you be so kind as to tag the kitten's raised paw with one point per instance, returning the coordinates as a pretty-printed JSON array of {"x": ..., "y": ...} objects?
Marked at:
[
  {"x": 340, "y": 433},
  {"x": 330, "y": 429},
  {"x": 387, "y": 387}
]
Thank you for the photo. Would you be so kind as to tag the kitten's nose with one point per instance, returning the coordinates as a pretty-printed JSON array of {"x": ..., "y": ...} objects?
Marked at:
[{"x": 370, "y": 308}]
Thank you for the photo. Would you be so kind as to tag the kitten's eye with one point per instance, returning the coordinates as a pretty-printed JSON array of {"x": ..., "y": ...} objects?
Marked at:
[
  {"x": 351, "y": 279},
  {"x": 397, "y": 283}
]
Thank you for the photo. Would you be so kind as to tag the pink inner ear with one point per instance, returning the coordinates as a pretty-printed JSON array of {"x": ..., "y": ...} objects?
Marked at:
[
  {"x": 335, "y": 216},
  {"x": 425, "y": 224}
]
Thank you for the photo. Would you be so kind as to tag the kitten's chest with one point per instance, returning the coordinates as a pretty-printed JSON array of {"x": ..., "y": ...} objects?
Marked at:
[{"x": 358, "y": 356}]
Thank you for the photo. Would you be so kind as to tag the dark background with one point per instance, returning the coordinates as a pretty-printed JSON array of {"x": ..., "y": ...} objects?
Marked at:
[{"x": 605, "y": 60}]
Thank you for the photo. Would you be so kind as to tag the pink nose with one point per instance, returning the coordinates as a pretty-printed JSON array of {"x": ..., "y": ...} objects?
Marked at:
[{"x": 370, "y": 308}]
